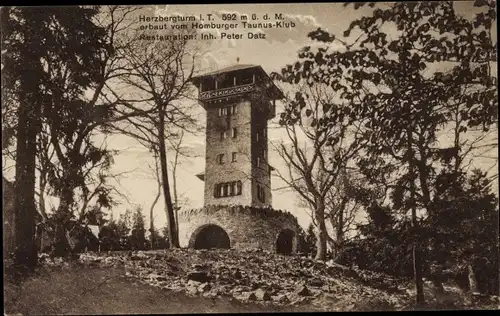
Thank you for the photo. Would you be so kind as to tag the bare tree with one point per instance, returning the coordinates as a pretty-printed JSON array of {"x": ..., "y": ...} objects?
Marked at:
[
  {"x": 180, "y": 152},
  {"x": 155, "y": 170},
  {"x": 175, "y": 163},
  {"x": 159, "y": 76},
  {"x": 315, "y": 155},
  {"x": 343, "y": 205}
]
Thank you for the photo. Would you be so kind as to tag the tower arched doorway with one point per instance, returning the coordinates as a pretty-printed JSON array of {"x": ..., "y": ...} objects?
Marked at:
[
  {"x": 210, "y": 236},
  {"x": 284, "y": 243}
]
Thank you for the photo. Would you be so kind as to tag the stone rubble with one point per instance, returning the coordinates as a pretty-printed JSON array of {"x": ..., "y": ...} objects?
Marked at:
[{"x": 261, "y": 278}]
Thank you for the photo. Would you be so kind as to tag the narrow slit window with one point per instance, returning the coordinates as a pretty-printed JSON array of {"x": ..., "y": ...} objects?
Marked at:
[
  {"x": 234, "y": 132},
  {"x": 233, "y": 157},
  {"x": 260, "y": 193},
  {"x": 220, "y": 159},
  {"x": 238, "y": 187},
  {"x": 223, "y": 135}
]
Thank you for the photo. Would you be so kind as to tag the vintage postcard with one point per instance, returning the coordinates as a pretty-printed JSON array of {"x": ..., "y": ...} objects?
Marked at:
[{"x": 222, "y": 158}]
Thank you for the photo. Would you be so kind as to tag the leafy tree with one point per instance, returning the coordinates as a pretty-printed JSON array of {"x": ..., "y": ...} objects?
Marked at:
[
  {"x": 310, "y": 240},
  {"x": 154, "y": 238},
  {"x": 390, "y": 74},
  {"x": 382, "y": 244},
  {"x": 124, "y": 225},
  {"x": 306, "y": 241},
  {"x": 66, "y": 115},
  {"x": 161, "y": 239},
  {"x": 164, "y": 241},
  {"x": 461, "y": 238},
  {"x": 138, "y": 232},
  {"x": 22, "y": 74},
  {"x": 34, "y": 39},
  {"x": 109, "y": 237},
  {"x": 473, "y": 248},
  {"x": 80, "y": 168}
]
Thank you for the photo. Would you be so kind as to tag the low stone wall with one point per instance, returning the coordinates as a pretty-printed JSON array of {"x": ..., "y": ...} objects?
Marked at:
[{"x": 246, "y": 227}]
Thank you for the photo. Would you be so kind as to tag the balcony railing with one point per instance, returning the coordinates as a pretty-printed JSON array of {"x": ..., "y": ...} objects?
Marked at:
[{"x": 220, "y": 93}]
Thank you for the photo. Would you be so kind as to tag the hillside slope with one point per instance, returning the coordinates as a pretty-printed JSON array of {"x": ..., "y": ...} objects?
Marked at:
[{"x": 269, "y": 279}]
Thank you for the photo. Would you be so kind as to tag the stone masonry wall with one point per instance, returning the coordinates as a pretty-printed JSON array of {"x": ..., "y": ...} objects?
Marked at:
[
  {"x": 247, "y": 227},
  {"x": 260, "y": 174},
  {"x": 229, "y": 171}
]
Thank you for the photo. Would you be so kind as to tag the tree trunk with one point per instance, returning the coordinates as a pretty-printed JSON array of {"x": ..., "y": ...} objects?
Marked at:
[
  {"x": 25, "y": 209},
  {"x": 473, "y": 287},
  {"x": 41, "y": 199},
  {"x": 438, "y": 285},
  {"x": 25, "y": 254},
  {"x": 152, "y": 232},
  {"x": 63, "y": 242},
  {"x": 151, "y": 211},
  {"x": 339, "y": 242},
  {"x": 174, "y": 237},
  {"x": 174, "y": 180},
  {"x": 417, "y": 264},
  {"x": 321, "y": 240},
  {"x": 151, "y": 221}
]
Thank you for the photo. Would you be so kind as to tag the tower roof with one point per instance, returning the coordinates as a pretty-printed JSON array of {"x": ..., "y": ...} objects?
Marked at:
[
  {"x": 227, "y": 69},
  {"x": 275, "y": 91}
]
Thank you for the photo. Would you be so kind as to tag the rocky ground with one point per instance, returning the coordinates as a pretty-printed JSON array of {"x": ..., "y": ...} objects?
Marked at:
[{"x": 262, "y": 278}]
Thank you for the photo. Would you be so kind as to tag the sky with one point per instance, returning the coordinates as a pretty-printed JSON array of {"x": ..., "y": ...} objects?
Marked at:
[{"x": 278, "y": 49}]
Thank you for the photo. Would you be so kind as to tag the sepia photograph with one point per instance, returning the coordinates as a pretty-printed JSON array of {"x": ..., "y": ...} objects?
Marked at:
[{"x": 250, "y": 158}]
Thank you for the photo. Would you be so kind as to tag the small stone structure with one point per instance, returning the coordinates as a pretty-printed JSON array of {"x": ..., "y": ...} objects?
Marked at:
[
  {"x": 238, "y": 227},
  {"x": 237, "y": 213}
]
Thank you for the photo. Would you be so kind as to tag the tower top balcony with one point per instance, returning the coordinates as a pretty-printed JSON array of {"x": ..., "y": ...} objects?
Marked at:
[{"x": 233, "y": 82}]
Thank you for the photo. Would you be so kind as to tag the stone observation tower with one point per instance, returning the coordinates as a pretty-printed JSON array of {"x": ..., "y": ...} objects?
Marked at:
[{"x": 238, "y": 100}]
